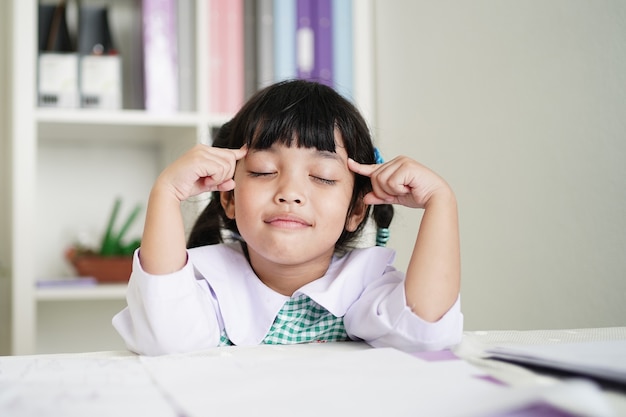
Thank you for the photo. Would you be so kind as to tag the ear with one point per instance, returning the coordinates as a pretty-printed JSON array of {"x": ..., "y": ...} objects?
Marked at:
[
  {"x": 356, "y": 215},
  {"x": 227, "y": 198}
]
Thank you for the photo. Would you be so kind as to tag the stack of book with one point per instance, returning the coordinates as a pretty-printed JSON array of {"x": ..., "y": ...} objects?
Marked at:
[
  {"x": 311, "y": 39},
  {"x": 252, "y": 43}
]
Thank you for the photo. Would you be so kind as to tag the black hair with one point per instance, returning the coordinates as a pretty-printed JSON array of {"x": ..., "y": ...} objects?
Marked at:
[{"x": 295, "y": 113}]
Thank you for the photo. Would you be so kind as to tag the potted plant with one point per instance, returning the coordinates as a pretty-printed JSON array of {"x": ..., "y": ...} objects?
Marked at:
[{"x": 112, "y": 262}]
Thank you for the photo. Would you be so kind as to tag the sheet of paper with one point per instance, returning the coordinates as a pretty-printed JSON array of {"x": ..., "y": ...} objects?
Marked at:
[
  {"x": 370, "y": 382},
  {"x": 78, "y": 387},
  {"x": 302, "y": 380},
  {"x": 602, "y": 359}
]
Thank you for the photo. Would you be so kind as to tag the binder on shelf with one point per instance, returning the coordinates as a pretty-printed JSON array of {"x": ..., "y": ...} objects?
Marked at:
[
  {"x": 186, "y": 55},
  {"x": 57, "y": 75},
  {"x": 101, "y": 82},
  {"x": 343, "y": 63},
  {"x": 160, "y": 55},
  {"x": 94, "y": 35},
  {"x": 58, "y": 80},
  {"x": 53, "y": 32},
  {"x": 322, "y": 42},
  {"x": 284, "y": 39},
  {"x": 251, "y": 52},
  {"x": 305, "y": 46},
  {"x": 226, "y": 56},
  {"x": 265, "y": 42},
  {"x": 100, "y": 66}
]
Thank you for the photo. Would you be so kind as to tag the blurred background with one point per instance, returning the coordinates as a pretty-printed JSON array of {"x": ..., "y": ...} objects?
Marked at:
[{"x": 518, "y": 105}]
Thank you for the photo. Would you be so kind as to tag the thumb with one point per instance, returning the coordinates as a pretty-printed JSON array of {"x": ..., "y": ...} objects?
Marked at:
[{"x": 372, "y": 199}]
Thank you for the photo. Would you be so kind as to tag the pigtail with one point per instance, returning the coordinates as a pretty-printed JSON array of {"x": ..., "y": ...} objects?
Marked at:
[{"x": 207, "y": 228}]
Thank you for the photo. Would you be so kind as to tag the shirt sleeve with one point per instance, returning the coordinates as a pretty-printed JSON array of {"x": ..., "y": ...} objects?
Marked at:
[
  {"x": 381, "y": 318},
  {"x": 170, "y": 313}
]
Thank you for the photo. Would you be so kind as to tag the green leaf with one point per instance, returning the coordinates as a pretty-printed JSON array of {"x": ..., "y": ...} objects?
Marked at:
[
  {"x": 112, "y": 242},
  {"x": 129, "y": 221},
  {"x": 109, "y": 244},
  {"x": 130, "y": 248}
]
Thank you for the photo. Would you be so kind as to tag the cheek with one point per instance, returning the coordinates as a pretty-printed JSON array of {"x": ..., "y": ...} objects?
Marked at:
[
  {"x": 250, "y": 198},
  {"x": 242, "y": 197},
  {"x": 336, "y": 204},
  {"x": 348, "y": 190}
]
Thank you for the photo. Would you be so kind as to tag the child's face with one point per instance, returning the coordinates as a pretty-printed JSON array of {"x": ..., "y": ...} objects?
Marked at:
[{"x": 291, "y": 203}]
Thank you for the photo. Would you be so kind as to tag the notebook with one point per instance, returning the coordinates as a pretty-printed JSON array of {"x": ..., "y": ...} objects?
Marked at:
[{"x": 600, "y": 359}]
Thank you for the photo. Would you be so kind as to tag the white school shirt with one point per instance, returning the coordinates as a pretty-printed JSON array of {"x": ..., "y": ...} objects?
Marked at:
[{"x": 218, "y": 291}]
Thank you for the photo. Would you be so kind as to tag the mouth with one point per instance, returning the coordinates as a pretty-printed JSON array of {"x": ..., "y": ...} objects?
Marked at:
[{"x": 287, "y": 221}]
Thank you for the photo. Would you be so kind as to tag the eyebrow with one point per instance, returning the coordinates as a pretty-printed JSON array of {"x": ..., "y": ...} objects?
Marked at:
[{"x": 329, "y": 155}]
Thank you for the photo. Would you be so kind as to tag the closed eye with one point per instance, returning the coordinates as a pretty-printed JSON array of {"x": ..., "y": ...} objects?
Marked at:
[
  {"x": 323, "y": 180},
  {"x": 259, "y": 174}
]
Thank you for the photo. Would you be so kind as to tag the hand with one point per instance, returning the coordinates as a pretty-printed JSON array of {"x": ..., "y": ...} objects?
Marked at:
[
  {"x": 202, "y": 169},
  {"x": 401, "y": 181}
]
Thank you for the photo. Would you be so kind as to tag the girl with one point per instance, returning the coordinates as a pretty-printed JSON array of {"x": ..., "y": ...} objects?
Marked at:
[{"x": 272, "y": 258}]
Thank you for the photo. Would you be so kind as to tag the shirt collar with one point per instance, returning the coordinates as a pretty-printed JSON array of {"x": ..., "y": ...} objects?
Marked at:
[{"x": 248, "y": 307}]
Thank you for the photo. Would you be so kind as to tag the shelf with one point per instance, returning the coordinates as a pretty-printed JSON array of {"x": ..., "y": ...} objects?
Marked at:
[
  {"x": 122, "y": 125},
  {"x": 96, "y": 292},
  {"x": 120, "y": 117},
  {"x": 67, "y": 165},
  {"x": 126, "y": 117}
]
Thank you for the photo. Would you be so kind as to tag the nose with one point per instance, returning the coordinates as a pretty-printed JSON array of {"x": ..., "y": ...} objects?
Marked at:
[
  {"x": 289, "y": 192},
  {"x": 289, "y": 197},
  {"x": 295, "y": 200}
]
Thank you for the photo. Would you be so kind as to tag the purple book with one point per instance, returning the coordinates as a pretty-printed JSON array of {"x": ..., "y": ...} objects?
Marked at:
[
  {"x": 160, "y": 55},
  {"x": 323, "y": 42},
  {"x": 305, "y": 50}
]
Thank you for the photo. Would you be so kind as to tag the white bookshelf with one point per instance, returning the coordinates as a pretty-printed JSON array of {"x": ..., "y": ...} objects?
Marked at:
[
  {"x": 69, "y": 165},
  {"x": 68, "y": 293}
]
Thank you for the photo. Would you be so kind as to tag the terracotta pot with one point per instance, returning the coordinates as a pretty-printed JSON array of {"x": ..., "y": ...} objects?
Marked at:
[{"x": 102, "y": 268}]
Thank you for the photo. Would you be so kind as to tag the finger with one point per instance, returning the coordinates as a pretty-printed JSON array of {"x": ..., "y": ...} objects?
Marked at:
[
  {"x": 373, "y": 171},
  {"x": 241, "y": 152},
  {"x": 361, "y": 169},
  {"x": 225, "y": 158},
  {"x": 226, "y": 185},
  {"x": 217, "y": 167}
]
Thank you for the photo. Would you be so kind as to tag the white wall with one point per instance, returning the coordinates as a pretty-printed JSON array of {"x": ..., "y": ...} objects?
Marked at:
[{"x": 521, "y": 106}]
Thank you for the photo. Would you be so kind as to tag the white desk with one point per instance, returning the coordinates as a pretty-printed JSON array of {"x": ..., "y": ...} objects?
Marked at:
[{"x": 328, "y": 379}]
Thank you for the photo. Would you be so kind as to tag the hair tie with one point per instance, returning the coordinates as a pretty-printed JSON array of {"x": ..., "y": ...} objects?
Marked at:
[
  {"x": 378, "y": 157},
  {"x": 382, "y": 233},
  {"x": 382, "y": 236}
]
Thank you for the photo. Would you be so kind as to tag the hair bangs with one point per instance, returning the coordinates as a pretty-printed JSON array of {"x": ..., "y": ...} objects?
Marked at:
[{"x": 302, "y": 120}]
